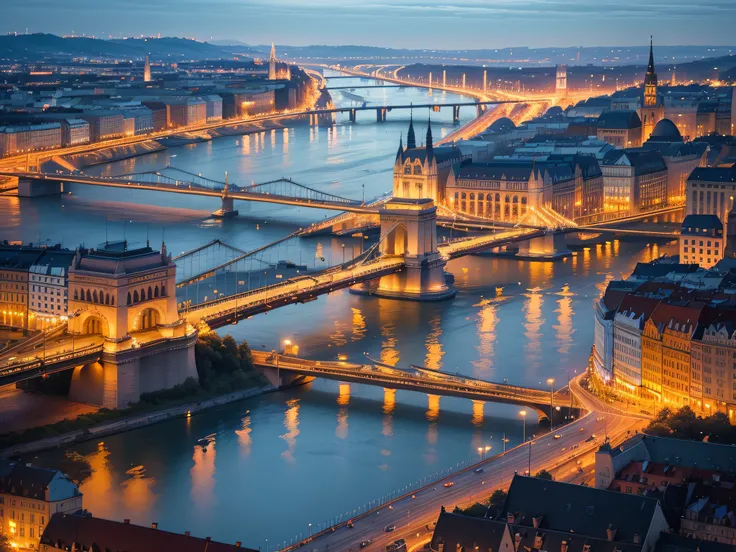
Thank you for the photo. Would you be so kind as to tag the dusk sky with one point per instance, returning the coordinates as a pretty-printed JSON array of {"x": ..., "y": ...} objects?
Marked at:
[{"x": 398, "y": 23}]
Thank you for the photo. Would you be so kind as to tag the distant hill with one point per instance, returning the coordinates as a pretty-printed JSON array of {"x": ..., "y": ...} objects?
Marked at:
[{"x": 39, "y": 46}]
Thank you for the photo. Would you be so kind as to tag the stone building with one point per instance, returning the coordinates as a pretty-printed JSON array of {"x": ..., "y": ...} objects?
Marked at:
[
  {"x": 702, "y": 240},
  {"x": 634, "y": 180},
  {"x": 622, "y": 129},
  {"x": 652, "y": 110}
]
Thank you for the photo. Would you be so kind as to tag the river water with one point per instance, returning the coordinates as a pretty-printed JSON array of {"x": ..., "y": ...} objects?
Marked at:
[{"x": 308, "y": 455}]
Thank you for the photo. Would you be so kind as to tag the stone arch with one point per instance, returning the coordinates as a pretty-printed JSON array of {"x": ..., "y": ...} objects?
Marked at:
[
  {"x": 148, "y": 319},
  {"x": 95, "y": 325},
  {"x": 397, "y": 240}
]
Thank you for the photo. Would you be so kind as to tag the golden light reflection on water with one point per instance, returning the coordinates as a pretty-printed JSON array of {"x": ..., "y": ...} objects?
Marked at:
[
  {"x": 433, "y": 358},
  {"x": 343, "y": 396},
  {"x": 285, "y": 147},
  {"x": 433, "y": 408},
  {"x": 291, "y": 423},
  {"x": 563, "y": 328},
  {"x": 389, "y": 354},
  {"x": 478, "y": 413},
  {"x": 203, "y": 476},
  {"x": 487, "y": 321},
  {"x": 98, "y": 490},
  {"x": 389, "y": 400},
  {"x": 586, "y": 261},
  {"x": 341, "y": 431},
  {"x": 533, "y": 325},
  {"x": 138, "y": 495},
  {"x": 244, "y": 438},
  {"x": 358, "y": 325}
]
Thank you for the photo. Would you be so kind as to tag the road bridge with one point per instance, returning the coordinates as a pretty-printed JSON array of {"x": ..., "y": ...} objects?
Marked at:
[
  {"x": 414, "y": 379},
  {"x": 363, "y": 86}
]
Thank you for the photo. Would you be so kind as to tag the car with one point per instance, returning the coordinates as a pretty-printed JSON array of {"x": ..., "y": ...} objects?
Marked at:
[
  {"x": 557, "y": 435},
  {"x": 351, "y": 524},
  {"x": 593, "y": 435},
  {"x": 449, "y": 484},
  {"x": 582, "y": 429},
  {"x": 365, "y": 543},
  {"x": 396, "y": 546},
  {"x": 589, "y": 439},
  {"x": 478, "y": 470},
  {"x": 390, "y": 528}
]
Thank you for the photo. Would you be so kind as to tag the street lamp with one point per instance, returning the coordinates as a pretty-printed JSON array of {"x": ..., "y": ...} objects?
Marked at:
[
  {"x": 522, "y": 413},
  {"x": 551, "y": 383},
  {"x": 310, "y": 530}
]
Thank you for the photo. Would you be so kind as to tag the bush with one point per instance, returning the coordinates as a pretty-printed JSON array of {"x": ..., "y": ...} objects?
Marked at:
[{"x": 685, "y": 424}]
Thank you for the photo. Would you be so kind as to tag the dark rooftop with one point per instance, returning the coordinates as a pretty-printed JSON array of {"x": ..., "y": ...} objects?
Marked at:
[
  {"x": 619, "y": 120},
  {"x": 713, "y": 174},
  {"x": 702, "y": 225}
]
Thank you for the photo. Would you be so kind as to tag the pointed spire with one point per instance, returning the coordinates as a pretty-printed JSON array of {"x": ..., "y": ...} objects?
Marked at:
[
  {"x": 650, "y": 67},
  {"x": 273, "y": 51},
  {"x": 411, "y": 140},
  {"x": 430, "y": 145},
  {"x": 401, "y": 146}
]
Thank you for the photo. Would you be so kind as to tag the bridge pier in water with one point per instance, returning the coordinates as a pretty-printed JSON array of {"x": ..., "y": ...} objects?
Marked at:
[
  {"x": 381, "y": 114},
  {"x": 37, "y": 187},
  {"x": 353, "y": 115},
  {"x": 549, "y": 247},
  {"x": 227, "y": 210},
  {"x": 455, "y": 114},
  {"x": 409, "y": 230}
]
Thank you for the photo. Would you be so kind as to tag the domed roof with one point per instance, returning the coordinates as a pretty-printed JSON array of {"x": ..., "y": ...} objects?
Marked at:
[
  {"x": 666, "y": 131},
  {"x": 554, "y": 111},
  {"x": 502, "y": 124}
]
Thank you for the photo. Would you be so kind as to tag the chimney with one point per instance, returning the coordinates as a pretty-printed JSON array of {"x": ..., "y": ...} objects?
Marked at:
[
  {"x": 517, "y": 541},
  {"x": 611, "y": 532},
  {"x": 187, "y": 534},
  {"x": 538, "y": 541},
  {"x": 154, "y": 525},
  {"x": 126, "y": 521},
  {"x": 636, "y": 538},
  {"x": 563, "y": 546},
  {"x": 238, "y": 544},
  {"x": 536, "y": 521}
]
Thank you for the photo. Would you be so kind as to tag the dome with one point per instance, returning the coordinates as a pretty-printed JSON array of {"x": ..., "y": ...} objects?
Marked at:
[
  {"x": 554, "y": 111},
  {"x": 502, "y": 124},
  {"x": 666, "y": 131}
]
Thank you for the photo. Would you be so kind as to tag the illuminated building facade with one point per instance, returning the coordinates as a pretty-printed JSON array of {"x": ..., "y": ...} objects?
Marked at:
[
  {"x": 713, "y": 352},
  {"x": 422, "y": 172},
  {"x": 186, "y": 111},
  {"x": 74, "y": 132},
  {"x": 147, "y": 70},
  {"x": 14, "y": 264},
  {"x": 622, "y": 129},
  {"x": 26, "y": 138},
  {"x": 710, "y": 191},
  {"x": 627, "y": 329},
  {"x": 48, "y": 285},
  {"x": 634, "y": 180},
  {"x": 702, "y": 240},
  {"x": 29, "y": 496},
  {"x": 676, "y": 338}
]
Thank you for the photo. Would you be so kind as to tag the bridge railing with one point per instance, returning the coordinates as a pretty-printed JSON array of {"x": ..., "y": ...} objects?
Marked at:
[{"x": 37, "y": 362}]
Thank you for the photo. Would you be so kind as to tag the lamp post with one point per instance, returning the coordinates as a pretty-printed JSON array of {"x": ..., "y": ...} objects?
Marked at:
[
  {"x": 310, "y": 530},
  {"x": 551, "y": 383},
  {"x": 522, "y": 413}
]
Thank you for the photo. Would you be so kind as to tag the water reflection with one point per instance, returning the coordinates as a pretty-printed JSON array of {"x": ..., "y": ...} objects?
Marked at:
[
  {"x": 244, "y": 438},
  {"x": 358, "y": 324},
  {"x": 98, "y": 488},
  {"x": 343, "y": 399},
  {"x": 487, "y": 321},
  {"x": 291, "y": 423},
  {"x": 478, "y": 413},
  {"x": 563, "y": 328},
  {"x": 433, "y": 358},
  {"x": 533, "y": 325},
  {"x": 203, "y": 476},
  {"x": 138, "y": 495}
]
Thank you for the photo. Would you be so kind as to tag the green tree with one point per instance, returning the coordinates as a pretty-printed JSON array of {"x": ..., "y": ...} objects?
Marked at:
[
  {"x": 544, "y": 474},
  {"x": 5, "y": 544}
]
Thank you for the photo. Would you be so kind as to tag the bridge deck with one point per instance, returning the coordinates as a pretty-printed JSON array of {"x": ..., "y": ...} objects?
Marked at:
[{"x": 423, "y": 381}]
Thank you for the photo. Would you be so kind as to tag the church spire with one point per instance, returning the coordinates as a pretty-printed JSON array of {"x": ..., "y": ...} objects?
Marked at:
[
  {"x": 400, "y": 152},
  {"x": 429, "y": 134},
  {"x": 411, "y": 140},
  {"x": 650, "y": 67}
]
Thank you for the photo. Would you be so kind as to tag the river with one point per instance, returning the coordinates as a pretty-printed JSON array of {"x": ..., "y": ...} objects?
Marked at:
[{"x": 308, "y": 455}]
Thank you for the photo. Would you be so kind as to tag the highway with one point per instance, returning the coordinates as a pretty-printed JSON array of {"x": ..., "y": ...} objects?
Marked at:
[{"x": 413, "y": 513}]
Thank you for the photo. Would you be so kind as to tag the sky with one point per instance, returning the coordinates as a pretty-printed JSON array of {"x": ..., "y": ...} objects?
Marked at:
[{"x": 432, "y": 24}]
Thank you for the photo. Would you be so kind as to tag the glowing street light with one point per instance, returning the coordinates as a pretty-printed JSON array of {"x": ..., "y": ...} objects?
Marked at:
[{"x": 522, "y": 413}]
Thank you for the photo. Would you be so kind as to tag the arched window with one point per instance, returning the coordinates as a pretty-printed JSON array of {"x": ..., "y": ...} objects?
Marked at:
[
  {"x": 516, "y": 199},
  {"x": 107, "y": 298},
  {"x": 155, "y": 291},
  {"x": 407, "y": 168},
  {"x": 89, "y": 296},
  {"x": 112, "y": 300},
  {"x": 149, "y": 319},
  {"x": 129, "y": 301},
  {"x": 135, "y": 297},
  {"x": 150, "y": 293},
  {"x": 498, "y": 197},
  {"x": 506, "y": 199},
  {"x": 417, "y": 169},
  {"x": 163, "y": 291},
  {"x": 94, "y": 297},
  {"x": 76, "y": 295}
]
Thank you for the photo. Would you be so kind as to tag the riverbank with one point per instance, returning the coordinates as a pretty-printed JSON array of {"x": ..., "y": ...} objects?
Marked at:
[{"x": 133, "y": 422}]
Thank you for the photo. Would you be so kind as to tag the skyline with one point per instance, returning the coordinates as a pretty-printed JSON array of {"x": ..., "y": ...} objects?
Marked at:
[{"x": 413, "y": 24}]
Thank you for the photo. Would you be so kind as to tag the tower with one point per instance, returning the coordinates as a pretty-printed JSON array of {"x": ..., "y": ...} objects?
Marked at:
[
  {"x": 561, "y": 81},
  {"x": 272, "y": 63},
  {"x": 147, "y": 70},
  {"x": 651, "y": 111},
  {"x": 650, "y": 80},
  {"x": 411, "y": 140}
]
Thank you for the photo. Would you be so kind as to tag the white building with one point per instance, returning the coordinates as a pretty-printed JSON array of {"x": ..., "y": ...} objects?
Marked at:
[
  {"x": 627, "y": 327},
  {"x": 74, "y": 132},
  {"x": 48, "y": 287},
  {"x": 702, "y": 240}
]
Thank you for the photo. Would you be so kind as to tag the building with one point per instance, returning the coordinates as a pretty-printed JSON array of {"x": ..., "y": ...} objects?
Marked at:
[
  {"x": 605, "y": 311},
  {"x": 272, "y": 74},
  {"x": 15, "y": 262},
  {"x": 26, "y": 138},
  {"x": 89, "y": 534},
  {"x": 147, "y": 70},
  {"x": 710, "y": 191},
  {"x": 693, "y": 479},
  {"x": 74, "y": 132},
  {"x": 588, "y": 192},
  {"x": 652, "y": 110},
  {"x": 29, "y": 497},
  {"x": 628, "y": 324},
  {"x": 681, "y": 158},
  {"x": 676, "y": 338},
  {"x": 634, "y": 180},
  {"x": 186, "y": 111},
  {"x": 159, "y": 115},
  {"x": 48, "y": 285},
  {"x": 702, "y": 240},
  {"x": 422, "y": 172},
  {"x": 620, "y": 128},
  {"x": 104, "y": 125},
  {"x": 214, "y": 108}
]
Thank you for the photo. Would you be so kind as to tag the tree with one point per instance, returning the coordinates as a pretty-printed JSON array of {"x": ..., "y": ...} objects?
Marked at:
[
  {"x": 5, "y": 544},
  {"x": 544, "y": 474},
  {"x": 498, "y": 498}
]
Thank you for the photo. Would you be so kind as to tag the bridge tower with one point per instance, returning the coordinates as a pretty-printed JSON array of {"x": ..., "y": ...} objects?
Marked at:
[
  {"x": 125, "y": 299},
  {"x": 561, "y": 82},
  {"x": 409, "y": 230},
  {"x": 227, "y": 210}
]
